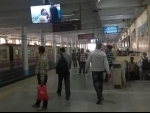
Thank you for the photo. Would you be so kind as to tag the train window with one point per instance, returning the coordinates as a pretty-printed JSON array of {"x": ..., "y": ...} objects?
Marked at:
[
  {"x": 29, "y": 53},
  {"x": 1, "y": 53},
  {"x": 32, "y": 53},
  {"x": 16, "y": 53},
  {"x": 4, "y": 53},
  {"x": 20, "y": 53}
]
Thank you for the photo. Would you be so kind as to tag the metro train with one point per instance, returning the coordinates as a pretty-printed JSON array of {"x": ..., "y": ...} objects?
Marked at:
[{"x": 11, "y": 61}]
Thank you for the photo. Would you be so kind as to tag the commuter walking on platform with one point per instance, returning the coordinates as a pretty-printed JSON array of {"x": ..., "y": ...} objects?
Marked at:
[
  {"x": 132, "y": 69},
  {"x": 83, "y": 57},
  {"x": 78, "y": 57},
  {"x": 74, "y": 58},
  {"x": 144, "y": 66},
  {"x": 42, "y": 71},
  {"x": 99, "y": 63},
  {"x": 63, "y": 64},
  {"x": 110, "y": 58}
]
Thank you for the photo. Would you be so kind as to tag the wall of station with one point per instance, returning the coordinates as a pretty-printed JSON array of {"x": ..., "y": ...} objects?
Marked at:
[{"x": 137, "y": 34}]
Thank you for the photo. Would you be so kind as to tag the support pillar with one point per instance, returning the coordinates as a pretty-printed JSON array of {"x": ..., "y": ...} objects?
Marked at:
[
  {"x": 61, "y": 41},
  {"x": 54, "y": 48},
  {"x": 68, "y": 51},
  {"x": 42, "y": 38},
  {"x": 76, "y": 46},
  {"x": 148, "y": 20},
  {"x": 24, "y": 51}
]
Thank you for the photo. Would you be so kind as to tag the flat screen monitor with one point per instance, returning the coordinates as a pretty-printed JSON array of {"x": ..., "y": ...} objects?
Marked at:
[
  {"x": 110, "y": 30},
  {"x": 46, "y": 13}
]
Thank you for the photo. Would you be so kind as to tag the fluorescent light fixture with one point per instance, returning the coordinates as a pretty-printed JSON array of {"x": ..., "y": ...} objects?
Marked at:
[
  {"x": 75, "y": 19},
  {"x": 115, "y": 15},
  {"x": 69, "y": 15},
  {"x": 99, "y": 0},
  {"x": 49, "y": 35}
]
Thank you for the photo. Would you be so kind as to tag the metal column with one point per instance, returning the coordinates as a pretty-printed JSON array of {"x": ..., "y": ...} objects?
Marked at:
[
  {"x": 68, "y": 51},
  {"x": 61, "y": 41},
  {"x": 42, "y": 38},
  {"x": 54, "y": 48},
  {"x": 24, "y": 51}
]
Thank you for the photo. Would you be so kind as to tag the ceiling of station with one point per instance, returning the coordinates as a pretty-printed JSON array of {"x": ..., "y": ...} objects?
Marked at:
[
  {"x": 119, "y": 13},
  {"x": 14, "y": 13},
  {"x": 94, "y": 15}
]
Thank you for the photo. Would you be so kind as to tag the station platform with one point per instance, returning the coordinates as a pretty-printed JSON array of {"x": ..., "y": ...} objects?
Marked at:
[{"x": 19, "y": 97}]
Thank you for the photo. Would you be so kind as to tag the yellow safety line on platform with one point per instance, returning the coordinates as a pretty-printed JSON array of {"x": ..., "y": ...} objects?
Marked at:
[{"x": 12, "y": 90}]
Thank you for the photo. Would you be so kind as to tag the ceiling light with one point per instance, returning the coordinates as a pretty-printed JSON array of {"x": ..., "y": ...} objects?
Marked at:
[
  {"x": 75, "y": 19},
  {"x": 99, "y": 0},
  {"x": 69, "y": 15}
]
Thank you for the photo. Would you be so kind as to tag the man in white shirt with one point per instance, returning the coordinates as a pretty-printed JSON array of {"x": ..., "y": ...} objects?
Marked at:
[
  {"x": 144, "y": 66},
  {"x": 99, "y": 64}
]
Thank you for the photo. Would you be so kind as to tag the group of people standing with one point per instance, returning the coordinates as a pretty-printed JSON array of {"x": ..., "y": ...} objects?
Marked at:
[
  {"x": 142, "y": 66},
  {"x": 100, "y": 62}
]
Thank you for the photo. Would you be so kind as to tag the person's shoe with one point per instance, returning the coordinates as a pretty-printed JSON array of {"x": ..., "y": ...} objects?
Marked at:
[
  {"x": 98, "y": 102},
  {"x": 102, "y": 98},
  {"x": 36, "y": 106},
  {"x": 59, "y": 94},
  {"x": 42, "y": 109},
  {"x": 67, "y": 98}
]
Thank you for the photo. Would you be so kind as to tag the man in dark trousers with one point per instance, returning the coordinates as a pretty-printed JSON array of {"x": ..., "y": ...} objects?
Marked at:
[
  {"x": 63, "y": 64},
  {"x": 78, "y": 57},
  {"x": 99, "y": 63},
  {"x": 74, "y": 58},
  {"x": 41, "y": 71},
  {"x": 83, "y": 57}
]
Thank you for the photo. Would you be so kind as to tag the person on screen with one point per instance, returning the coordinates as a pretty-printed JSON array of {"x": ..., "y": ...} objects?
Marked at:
[
  {"x": 44, "y": 17},
  {"x": 54, "y": 14}
]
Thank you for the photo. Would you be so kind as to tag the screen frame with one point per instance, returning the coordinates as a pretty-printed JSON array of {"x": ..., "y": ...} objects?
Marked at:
[
  {"x": 44, "y": 5},
  {"x": 111, "y": 26}
]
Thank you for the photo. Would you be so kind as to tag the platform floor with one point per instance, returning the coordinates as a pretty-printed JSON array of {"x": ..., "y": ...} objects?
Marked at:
[{"x": 19, "y": 96}]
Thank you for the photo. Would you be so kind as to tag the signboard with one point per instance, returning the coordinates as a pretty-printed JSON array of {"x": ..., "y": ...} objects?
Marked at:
[
  {"x": 110, "y": 30},
  {"x": 85, "y": 38},
  {"x": 67, "y": 26}
]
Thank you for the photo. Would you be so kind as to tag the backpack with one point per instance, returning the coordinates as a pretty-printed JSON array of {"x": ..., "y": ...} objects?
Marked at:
[
  {"x": 62, "y": 65},
  {"x": 145, "y": 64}
]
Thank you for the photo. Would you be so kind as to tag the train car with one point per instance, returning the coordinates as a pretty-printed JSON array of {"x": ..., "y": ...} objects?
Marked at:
[
  {"x": 5, "y": 62},
  {"x": 11, "y": 65},
  {"x": 33, "y": 56},
  {"x": 49, "y": 53}
]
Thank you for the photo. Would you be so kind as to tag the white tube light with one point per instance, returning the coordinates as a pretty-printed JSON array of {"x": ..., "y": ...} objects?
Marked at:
[{"x": 69, "y": 15}]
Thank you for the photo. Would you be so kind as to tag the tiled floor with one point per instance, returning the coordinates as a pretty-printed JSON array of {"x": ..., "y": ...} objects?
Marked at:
[{"x": 20, "y": 96}]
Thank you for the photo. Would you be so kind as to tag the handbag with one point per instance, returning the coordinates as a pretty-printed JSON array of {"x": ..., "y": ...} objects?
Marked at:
[{"x": 42, "y": 93}]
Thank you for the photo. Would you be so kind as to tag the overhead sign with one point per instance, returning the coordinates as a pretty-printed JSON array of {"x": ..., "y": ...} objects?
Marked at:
[
  {"x": 110, "y": 30},
  {"x": 85, "y": 38},
  {"x": 67, "y": 26}
]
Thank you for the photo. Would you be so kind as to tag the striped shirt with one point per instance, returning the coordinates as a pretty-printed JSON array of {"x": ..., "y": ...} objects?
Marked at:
[
  {"x": 110, "y": 57},
  {"x": 83, "y": 57}
]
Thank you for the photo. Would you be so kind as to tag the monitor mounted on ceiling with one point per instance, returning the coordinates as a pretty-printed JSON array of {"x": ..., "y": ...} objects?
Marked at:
[{"x": 45, "y": 13}]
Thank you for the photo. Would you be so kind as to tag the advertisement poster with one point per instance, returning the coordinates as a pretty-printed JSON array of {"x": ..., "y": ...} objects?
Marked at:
[
  {"x": 133, "y": 40},
  {"x": 143, "y": 38}
]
